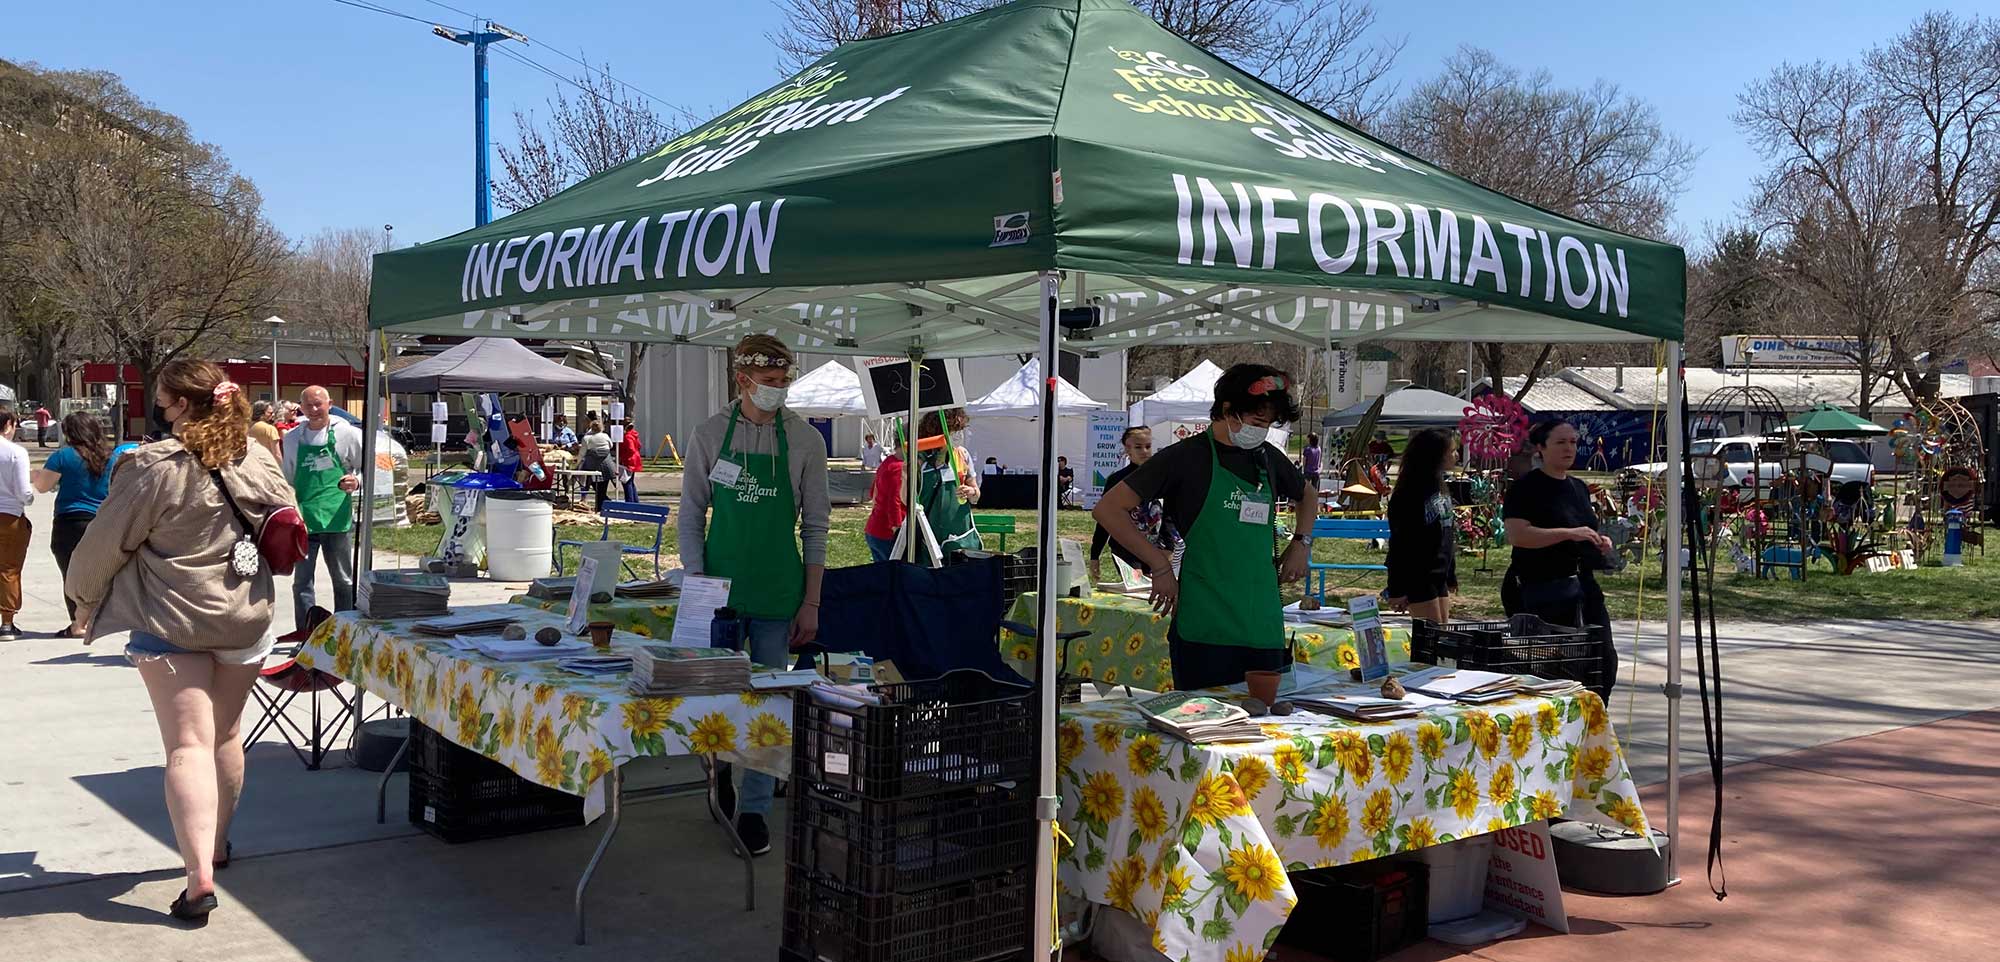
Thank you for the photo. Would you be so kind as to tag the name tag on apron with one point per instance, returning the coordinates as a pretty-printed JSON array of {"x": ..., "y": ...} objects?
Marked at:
[
  {"x": 321, "y": 461},
  {"x": 1254, "y": 512},
  {"x": 725, "y": 473}
]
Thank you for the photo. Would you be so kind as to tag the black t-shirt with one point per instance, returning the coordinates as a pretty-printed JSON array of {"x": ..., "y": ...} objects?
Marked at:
[
  {"x": 1178, "y": 476},
  {"x": 1065, "y": 475},
  {"x": 1544, "y": 502},
  {"x": 1147, "y": 516},
  {"x": 1423, "y": 544}
]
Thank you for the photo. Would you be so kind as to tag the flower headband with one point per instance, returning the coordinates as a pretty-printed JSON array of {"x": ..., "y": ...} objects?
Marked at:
[
  {"x": 222, "y": 391},
  {"x": 1267, "y": 384},
  {"x": 762, "y": 360}
]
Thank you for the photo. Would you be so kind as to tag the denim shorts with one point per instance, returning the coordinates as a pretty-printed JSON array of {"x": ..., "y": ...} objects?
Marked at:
[{"x": 146, "y": 646}]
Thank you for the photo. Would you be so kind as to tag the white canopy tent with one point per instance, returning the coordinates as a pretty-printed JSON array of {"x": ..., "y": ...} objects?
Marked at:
[
  {"x": 1186, "y": 399},
  {"x": 1409, "y": 408},
  {"x": 1005, "y": 423},
  {"x": 830, "y": 390}
]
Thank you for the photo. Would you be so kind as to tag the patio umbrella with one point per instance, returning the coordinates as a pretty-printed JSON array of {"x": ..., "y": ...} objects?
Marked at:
[{"x": 1828, "y": 421}]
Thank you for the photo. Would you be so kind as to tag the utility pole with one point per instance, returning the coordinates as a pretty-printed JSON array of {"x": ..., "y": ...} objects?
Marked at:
[{"x": 483, "y": 33}]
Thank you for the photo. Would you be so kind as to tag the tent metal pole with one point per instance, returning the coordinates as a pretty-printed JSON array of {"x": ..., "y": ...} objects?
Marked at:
[
  {"x": 1042, "y": 928},
  {"x": 371, "y": 423},
  {"x": 1672, "y": 541},
  {"x": 912, "y": 472}
]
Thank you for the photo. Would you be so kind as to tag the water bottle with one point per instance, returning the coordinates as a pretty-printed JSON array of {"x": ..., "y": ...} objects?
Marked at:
[{"x": 726, "y": 631}]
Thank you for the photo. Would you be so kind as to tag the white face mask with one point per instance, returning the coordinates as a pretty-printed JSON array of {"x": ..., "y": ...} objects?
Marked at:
[
  {"x": 767, "y": 398},
  {"x": 1248, "y": 435}
]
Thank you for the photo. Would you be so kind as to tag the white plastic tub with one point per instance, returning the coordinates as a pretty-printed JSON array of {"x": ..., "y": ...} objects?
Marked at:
[
  {"x": 1457, "y": 877},
  {"x": 520, "y": 538}
]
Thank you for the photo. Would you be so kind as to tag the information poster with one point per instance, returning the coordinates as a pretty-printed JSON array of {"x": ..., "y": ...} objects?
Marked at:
[
  {"x": 885, "y": 385},
  {"x": 1106, "y": 454},
  {"x": 1521, "y": 879},
  {"x": 1368, "y": 637}
]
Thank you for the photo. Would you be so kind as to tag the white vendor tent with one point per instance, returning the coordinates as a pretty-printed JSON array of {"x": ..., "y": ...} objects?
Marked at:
[
  {"x": 1188, "y": 398},
  {"x": 830, "y": 390},
  {"x": 1410, "y": 408},
  {"x": 1005, "y": 423}
]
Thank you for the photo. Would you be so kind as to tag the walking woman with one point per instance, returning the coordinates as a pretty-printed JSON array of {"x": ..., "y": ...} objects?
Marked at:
[
  {"x": 596, "y": 448},
  {"x": 1423, "y": 535},
  {"x": 1553, "y": 530},
  {"x": 154, "y": 573},
  {"x": 631, "y": 461},
  {"x": 16, "y": 493},
  {"x": 80, "y": 475}
]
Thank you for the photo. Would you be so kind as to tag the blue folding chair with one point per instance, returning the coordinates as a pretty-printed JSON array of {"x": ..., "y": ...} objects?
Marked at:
[
  {"x": 1346, "y": 529},
  {"x": 631, "y": 512}
]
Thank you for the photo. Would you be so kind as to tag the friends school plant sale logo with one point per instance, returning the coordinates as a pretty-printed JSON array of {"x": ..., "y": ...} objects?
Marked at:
[{"x": 1010, "y": 229}]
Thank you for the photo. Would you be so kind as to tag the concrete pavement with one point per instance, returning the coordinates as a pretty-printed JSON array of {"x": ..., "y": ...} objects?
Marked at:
[{"x": 87, "y": 863}]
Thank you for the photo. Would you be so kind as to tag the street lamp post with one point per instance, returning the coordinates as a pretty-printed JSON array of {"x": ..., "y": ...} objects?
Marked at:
[{"x": 276, "y": 322}]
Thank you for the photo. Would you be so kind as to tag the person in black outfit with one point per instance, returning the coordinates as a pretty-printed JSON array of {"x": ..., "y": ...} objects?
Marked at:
[
  {"x": 1423, "y": 529},
  {"x": 1553, "y": 530},
  {"x": 1138, "y": 444}
]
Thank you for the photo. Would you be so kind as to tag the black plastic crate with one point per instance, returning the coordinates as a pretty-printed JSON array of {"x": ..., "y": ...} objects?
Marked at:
[
  {"x": 915, "y": 843},
  {"x": 978, "y": 920},
  {"x": 1522, "y": 645},
  {"x": 946, "y": 734},
  {"x": 1020, "y": 574},
  {"x": 1359, "y": 913},
  {"x": 461, "y": 796}
]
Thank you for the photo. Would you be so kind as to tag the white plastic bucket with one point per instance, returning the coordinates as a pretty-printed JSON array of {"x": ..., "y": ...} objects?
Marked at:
[
  {"x": 1457, "y": 877},
  {"x": 520, "y": 538}
]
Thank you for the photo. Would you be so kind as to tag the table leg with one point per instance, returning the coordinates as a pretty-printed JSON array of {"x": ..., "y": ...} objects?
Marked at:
[
  {"x": 382, "y": 784},
  {"x": 614, "y": 783},
  {"x": 709, "y": 767}
]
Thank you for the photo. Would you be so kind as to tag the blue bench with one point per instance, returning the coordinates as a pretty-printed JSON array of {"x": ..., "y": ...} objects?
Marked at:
[
  {"x": 627, "y": 511},
  {"x": 1346, "y": 529}
]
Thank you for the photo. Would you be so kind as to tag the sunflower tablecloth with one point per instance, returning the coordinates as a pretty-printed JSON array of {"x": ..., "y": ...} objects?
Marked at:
[
  {"x": 1195, "y": 841},
  {"x": 1127, "y": 644},
  {"x": 640, "y": 616},
  {"x": 554, "y": 728}
]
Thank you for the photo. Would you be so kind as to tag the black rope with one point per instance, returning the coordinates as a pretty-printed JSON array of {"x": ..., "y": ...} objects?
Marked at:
[{"x": 1701, "y": 554}]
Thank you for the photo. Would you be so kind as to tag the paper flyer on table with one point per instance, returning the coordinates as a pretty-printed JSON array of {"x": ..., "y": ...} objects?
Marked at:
[
  {"x": 1368, "y": 636},
  {"x": 701, "y": 597},
  {"x": 579, "y": 598}
]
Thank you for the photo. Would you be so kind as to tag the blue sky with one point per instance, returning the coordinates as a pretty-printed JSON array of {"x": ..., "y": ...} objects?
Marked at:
[{"x": 347, "y": 118}]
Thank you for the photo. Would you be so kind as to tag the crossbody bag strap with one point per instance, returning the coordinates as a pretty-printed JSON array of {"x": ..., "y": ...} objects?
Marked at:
[{"x": 216, "y": 476}]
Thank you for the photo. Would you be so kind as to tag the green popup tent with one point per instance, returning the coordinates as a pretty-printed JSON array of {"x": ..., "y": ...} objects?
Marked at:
[
  {"x": 1828, "y": 421},
  {"x": 946, "y": 191}
]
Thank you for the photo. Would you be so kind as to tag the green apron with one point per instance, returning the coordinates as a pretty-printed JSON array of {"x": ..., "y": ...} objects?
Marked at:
[
  {"x": 316, "y": 477},
  {"x": 753, "y": 531},
  {"x": 949, "y": 516},
  {"x": 1229, "y": 585}
]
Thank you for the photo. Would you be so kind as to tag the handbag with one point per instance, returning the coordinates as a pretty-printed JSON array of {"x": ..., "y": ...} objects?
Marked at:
[{"x": 280, "y": 542}]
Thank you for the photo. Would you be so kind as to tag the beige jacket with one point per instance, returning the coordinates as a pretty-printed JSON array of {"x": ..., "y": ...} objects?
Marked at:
[{"x": 156, "y": 558}]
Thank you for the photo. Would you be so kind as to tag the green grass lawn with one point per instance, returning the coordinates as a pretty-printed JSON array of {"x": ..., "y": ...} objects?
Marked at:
[{"x": 1965, "y": 593}]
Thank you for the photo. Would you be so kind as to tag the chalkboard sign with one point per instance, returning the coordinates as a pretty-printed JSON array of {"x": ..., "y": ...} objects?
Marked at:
[{"x": 885, "y": 385}]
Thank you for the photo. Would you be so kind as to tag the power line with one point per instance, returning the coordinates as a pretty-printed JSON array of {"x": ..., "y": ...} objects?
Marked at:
[
  {"x": 378, "y": 8},
  {"x": 558, "y": 51},
  {"x": 518, "y": 56},
  {"x": 447, "y": 6}
]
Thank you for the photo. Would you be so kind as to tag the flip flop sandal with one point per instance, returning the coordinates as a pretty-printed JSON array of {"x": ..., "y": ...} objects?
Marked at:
[{"x": 195, "y": 911}]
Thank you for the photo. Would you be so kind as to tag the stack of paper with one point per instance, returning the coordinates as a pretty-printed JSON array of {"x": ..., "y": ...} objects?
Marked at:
[
  {"x": 402, "y": 594},
  {"x": 1201, "y": 719},
  {"x": 662, "y": 669},
  {"x": 1317, "y": 616},
  {"x": 467, "y": 624},
  {"x": 1359, "y": 707},
  {"x": 523, "y": 649},
  {"x": 597, "y": 666},
  {"x": 649, "y": 589},
  {"x": 552, "y": 589},
  {"x": 1480, "y": 687}
]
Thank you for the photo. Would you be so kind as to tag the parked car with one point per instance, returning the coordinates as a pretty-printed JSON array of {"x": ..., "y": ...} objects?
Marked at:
[{"x": 1741, "y": 455}]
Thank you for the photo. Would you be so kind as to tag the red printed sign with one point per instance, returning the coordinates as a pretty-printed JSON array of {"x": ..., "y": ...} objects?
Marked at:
[{"x": 1521, "y": 880}]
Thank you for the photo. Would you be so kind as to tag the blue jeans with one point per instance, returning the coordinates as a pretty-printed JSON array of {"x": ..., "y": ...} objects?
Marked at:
[
  {"x": 881, "y": 549},
  {"x": 631, "y": 488},
  {"x": 770, "y": 645},
  {"x": 338, "y": 549}
]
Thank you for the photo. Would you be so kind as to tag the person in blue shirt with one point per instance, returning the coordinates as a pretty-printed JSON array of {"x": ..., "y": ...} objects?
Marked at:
[{"x": 80, "y": 475}]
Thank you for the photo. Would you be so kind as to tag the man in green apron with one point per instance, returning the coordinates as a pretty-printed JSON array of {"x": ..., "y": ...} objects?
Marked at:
[
  {"x": 1220, "y": 488},
  {"x": 754, "y": 509},
  {"x": 322, "y": 456}
]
